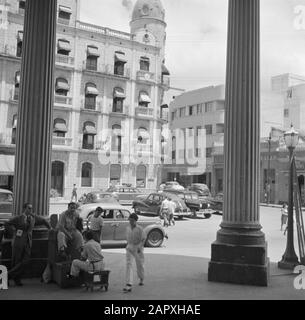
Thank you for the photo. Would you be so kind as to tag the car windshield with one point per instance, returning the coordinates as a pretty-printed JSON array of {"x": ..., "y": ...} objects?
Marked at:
[{"x": 6, "y": 197}]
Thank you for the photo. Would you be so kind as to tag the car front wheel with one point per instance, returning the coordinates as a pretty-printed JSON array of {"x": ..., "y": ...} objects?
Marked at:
[{"x": 154, "y": 239}]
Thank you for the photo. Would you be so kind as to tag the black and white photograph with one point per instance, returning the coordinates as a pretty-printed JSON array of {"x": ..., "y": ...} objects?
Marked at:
[{"x": 152, "y": 152}]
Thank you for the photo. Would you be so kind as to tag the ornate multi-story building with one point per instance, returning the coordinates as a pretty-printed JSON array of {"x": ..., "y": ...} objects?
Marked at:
[{"x": 108, "y": 98}]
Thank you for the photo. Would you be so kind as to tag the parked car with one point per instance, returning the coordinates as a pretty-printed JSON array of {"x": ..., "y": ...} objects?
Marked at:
[
  {"x": 193, "y": 202},
  {"x": 169, "y": 185},
  {"x": 125, "y": 194},
  {"x": 151, "y": 205},
  {"x": 201, "y": 189},
  {"x": 217, "y": 203},
  {"x": 6, "y": 205},
  {"x": 98, "y": 197},
  {"x": 116, "y": 221}
]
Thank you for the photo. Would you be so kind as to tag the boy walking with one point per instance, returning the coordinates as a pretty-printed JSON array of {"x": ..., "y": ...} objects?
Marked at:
[{"x": 96, "y": 224}]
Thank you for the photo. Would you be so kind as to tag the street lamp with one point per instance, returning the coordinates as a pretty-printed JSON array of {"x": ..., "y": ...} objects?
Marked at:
[{"x": 290, "y": 259}]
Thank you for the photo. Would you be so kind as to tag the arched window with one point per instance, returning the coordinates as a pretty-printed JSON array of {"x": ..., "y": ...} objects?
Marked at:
[
  {"x": 19, "y": 43},
  {"x": 89, "y": 132},
  {"x": 90, "y": 96},
  {"x": 141, "y": 176},
  {"x": 143, "y": 136},
  {"x": 87, "y": 174},
  {"x": 59, "y": 128},
  {"x": 92, "y": 56},
  {"x": 14, "y": 129},
  {"x": 115, "y": 174},
  {"x": 62, "y": 87},
  {"x": 63, "y": 47},
  {"x": 144, "y": 64},
  {"x": 116, "y": 141},
  {"x": 119, "y": 63},
  {"x": 17, "y": 85},
  {"x": 118, "y": 100},
  {"x": 144, "y": 99}
]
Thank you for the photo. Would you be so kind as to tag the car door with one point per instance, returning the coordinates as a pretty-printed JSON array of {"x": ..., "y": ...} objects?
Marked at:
[
  {"x": 155, "y": 204},
  {"x": 121, "y": 219},
  {"x": 109, "y": 225},
  {"x": 144, "y": 205}
]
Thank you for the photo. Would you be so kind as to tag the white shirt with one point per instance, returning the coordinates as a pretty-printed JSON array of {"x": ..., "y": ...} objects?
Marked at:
[{"x": 135, "y": 236}]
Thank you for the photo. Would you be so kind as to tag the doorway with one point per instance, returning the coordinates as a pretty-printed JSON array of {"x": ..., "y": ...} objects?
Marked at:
[{"x": 57, "y": 177}]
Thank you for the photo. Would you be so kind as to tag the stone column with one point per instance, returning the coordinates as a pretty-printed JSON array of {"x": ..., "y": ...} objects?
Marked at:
[
  {"x": 239, "y": 255},
  {"x": 35, "y": 114}
]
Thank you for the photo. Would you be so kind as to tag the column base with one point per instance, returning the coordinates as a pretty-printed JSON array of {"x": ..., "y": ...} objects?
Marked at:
[
  {"x": 287, "y": 265},
  {"x": 245, "y": 264}
]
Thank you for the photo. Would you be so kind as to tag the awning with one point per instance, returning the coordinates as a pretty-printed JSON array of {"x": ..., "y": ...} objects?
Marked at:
[
  {"x": 165, "y": 70},
  {"x": 62, "y": 85},
  {"x": 92, "y": 52},
  {"x": 65, "y": 9},
  {"x": 64, "y": 45},
  {"x": 119, "y": 93},
  {"x": 60, "y": 127},
  {"x": 7, "y": 164},
  {"x": 120, "y": 57},
  {"x": 89, "y": 129},
  {"x": 17, "y": 78},
  {"x": 143, "y": 133},
  {"x": 20, "y": 36},
  {"x": 144, "y": 98},
  {"x": 90, "y": 90}
]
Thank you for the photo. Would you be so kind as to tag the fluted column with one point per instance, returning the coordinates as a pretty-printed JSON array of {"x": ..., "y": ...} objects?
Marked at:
[
  {"x": 239, "y": 253},
  {"x": 35, "y": 113}
]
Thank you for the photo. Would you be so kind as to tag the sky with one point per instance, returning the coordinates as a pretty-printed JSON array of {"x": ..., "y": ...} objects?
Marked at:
[{"x": 197, "y": 36}]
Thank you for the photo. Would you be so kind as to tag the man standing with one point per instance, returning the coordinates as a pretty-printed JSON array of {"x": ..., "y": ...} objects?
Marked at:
[
  {"x": 164, "y": 211},
  {"x": 22, "y": 242},
  {"x": 74, "y": 193},
  {"x": 68, "y": 236},
  {"x": 96, "y": 224},
  {"x": 172, "y": 208},
  {"x": 135, "y": 250}
]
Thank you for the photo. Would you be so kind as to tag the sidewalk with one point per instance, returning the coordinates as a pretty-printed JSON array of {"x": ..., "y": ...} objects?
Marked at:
[{"x": 168, "y": 277}]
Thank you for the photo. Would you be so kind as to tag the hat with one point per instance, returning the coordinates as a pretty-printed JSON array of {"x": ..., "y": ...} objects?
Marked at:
[
  {"x": 133, "y": 216},
  {"x": 99, "y": 209}
]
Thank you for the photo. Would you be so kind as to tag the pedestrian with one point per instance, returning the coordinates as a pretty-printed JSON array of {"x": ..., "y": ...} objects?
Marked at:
[
  {"x": 284, "y": 216},
  {"x": 135, "y": 250},
  {"x": 74, "y": 193},
  {"x": 96, "y": 224},
  {"x": 22, "y": 240},
  {"x": 164, "y": 211},
  {"x": 69, "y": 238},
  {"x": 92, "y": 258},
  {"x": 172, "y": 208}
]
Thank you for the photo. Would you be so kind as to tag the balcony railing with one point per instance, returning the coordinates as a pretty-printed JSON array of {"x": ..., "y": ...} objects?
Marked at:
[
  {"x": 65, "y": 22},
  {"x": 143, "y": 111},
  {"x": 106, "y": 69},
  {"x": 61, "y": 141},
  {"x": 61, "y": 58},
  {"x": 166, "y": 81},
  {"x": 6, "y": 139},
  {"x": 97, "y": 107},
  {"x": 145, "y": 76},
  {"x": 97, "y": 145},
  {"x": 14, "y": 95},
  {"x": 124, "y": 112},
  {"x": 110, "y": 71},
  {"x": 9, "y": 51},
  {"x": 63, "y": 100}
]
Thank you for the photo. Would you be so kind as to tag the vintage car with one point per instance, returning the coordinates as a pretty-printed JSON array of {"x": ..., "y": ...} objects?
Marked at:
[
  {"x": 115, "y": 222},
  {"x": 98, "y": 197},
  {"x": 193, "y": 202},
  {"x": 125, "y": 194},
  {"x": 6, "y": 205},
  {"x": 170, "y": 185},
  {"x": 217, "y": 203},
  {"x": 151, "y": 205}
]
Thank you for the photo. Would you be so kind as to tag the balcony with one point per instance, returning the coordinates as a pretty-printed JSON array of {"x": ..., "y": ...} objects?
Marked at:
[
  {"x": 61, "y": 141},
  {"x": 118, "y": 114},
  {"x": 146, "y": 76},
  {"x": 124, "y": 74},
  {"x": 144, "y": 112},
  {"x": 65, "y": 22},
  {"x": 165, "y": 81},
  {"x": 6, "y": 140},
  {"x": 97, "y": 145},
  {"x": 9, "y": 51},
  {"x": 97, "y": 108},
  {"x": 14, "y": 96},
  {"x": 63, "y": 100},
  {"x": 63, "y": 59}
]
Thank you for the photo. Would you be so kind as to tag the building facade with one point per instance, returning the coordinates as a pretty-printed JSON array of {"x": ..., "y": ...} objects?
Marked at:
[{"x": 108, "y": 92}]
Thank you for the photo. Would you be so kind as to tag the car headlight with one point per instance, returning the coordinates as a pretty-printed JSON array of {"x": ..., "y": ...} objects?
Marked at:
[{"x": 209, "y": 205}]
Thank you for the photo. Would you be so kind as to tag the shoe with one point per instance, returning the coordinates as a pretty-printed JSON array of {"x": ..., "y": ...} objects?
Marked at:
[
  {"x": 141, "y": 283},
  {"x": 128, "y": 288}
]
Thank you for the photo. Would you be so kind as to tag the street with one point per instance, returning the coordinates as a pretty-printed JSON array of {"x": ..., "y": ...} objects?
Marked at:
[{"x": 193, "y": 237}]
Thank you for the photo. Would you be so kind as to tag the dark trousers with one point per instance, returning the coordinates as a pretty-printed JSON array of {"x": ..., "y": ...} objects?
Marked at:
[{"x": 20, "y": 258}]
